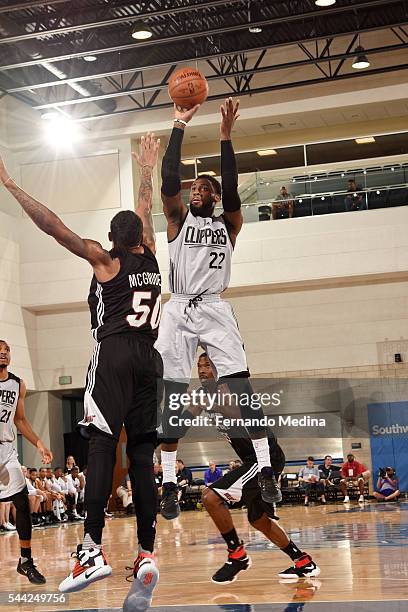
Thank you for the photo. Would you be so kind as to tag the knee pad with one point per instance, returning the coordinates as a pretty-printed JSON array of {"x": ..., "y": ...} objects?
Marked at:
[
  {"x": 240, "y": 385},
  {"x": 23, "y": 514}
]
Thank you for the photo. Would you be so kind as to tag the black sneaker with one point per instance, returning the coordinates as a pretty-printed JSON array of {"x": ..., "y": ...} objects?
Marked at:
[
  {"x": 169, "y": 506},
  {"x": 271, "y": 493},
  {"x": 238, "y": 560},
  {"x": 29, "y": 570},
  {"x": 304, "y": 567}
]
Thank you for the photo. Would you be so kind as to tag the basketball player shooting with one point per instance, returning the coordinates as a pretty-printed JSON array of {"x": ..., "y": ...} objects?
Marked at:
[
  {"x": 13, "y": 485},
  {"x": 200, "y": 249},
  {"x": 123, "y": 375}
]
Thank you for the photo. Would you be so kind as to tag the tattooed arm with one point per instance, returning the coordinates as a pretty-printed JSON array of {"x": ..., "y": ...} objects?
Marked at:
[
  {"x": 52, "y": 225},
  {"x": 147, "y": 160}
]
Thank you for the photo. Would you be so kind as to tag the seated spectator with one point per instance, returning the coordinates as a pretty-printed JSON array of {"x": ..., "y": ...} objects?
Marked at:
[
  {"x": 353, "y": 472},
  {"x": 282, "y": 203},
  {"x": 74, "y": 485},
  {"x": 34, "y": 498},
  {"x": 124, "y": 492},
  {"x": 59, "y": 490},
  {"x": 238, "y": 463},
  {"x": 5, "y": 525},
  {"x": 184, "y": 478},
  {"x": 309, "y": 478},
  {"x": 212, "y": 474},
  {"x": 329, "y": 473},
  {"x": 387, "y": 485},
  {"x": 44, "y": 486},
  {"x": 70, "y": 462},
  {"x": 355, "y": 199}
]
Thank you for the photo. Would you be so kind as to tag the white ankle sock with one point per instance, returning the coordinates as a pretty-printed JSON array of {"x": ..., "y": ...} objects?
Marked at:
[
  {"x": 261, "y": 447},
  {"x": 89, "y": 543},
  {"x": 168, "y": 461}
]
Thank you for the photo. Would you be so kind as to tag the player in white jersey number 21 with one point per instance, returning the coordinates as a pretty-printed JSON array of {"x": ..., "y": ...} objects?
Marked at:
[
  {"x": 13, "y": 485},
  {"x": 200, "y": 249}
]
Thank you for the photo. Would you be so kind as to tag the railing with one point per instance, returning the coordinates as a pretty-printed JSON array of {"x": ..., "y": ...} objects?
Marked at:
[{"x": 318, "y": 193}]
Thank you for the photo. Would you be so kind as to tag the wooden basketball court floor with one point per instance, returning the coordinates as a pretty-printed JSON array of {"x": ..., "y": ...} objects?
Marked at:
[{"x": 362, "y": 552}]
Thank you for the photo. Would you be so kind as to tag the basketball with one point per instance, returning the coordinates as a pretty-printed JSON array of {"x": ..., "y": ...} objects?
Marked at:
[{"x": 188, "y": 87}]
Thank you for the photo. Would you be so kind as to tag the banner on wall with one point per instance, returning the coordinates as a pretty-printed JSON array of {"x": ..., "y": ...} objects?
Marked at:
[{"x": 388, "y": 426}]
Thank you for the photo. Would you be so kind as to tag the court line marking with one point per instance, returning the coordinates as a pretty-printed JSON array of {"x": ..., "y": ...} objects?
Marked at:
[{"x": 267, "y": 603}]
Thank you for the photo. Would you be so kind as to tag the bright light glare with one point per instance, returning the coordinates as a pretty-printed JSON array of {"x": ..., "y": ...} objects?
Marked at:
[{"x": 62, "y": 132}]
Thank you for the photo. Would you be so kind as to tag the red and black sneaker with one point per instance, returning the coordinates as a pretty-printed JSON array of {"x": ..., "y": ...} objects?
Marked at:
[
  {"x": 238, "y": 560},
  {"x": 144, "y": 578},
  {"x": 304, "y": 567}
]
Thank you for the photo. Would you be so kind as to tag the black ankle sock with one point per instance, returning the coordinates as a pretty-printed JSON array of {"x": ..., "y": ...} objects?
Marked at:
[
  {"x": 292, "y": 551},
  {"x": 232, "y": 540},
  {"x": 25, "y": 553}
]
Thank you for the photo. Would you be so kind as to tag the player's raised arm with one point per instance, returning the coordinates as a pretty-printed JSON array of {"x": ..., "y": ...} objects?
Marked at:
[
  {"x": 147, "y": 160},
  {"x": 231, "y": 201},
  {"x": 173, "y": 206},
  {"x": 52, "y": 225}
]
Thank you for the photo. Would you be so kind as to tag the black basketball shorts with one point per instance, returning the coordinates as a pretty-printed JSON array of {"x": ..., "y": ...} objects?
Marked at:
[
  {"x": 240, "y": 488},
  {"x": 123, "y": 387}
]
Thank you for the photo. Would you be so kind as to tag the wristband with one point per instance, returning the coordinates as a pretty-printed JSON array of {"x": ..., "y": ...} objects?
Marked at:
[{"x": 180, "y": 121}]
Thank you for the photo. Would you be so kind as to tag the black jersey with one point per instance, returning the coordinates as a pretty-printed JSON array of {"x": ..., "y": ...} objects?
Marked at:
[{"x": 131, "y": 301}]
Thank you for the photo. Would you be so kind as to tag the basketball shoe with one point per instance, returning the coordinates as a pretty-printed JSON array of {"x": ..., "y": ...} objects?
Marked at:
[
  {"x": 145, "y": 576},
  {"x": 237, "y": 561},
  {"x": 28, "y": 569},
  {"x": 304, "y": 567},
  {"x": 91, "y": 565},
  {"x": 270, "y": 491},
  {"x": 169, "y": 506}
]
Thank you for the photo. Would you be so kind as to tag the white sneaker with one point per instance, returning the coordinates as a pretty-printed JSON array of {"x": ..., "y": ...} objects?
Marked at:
[
  {"x": 145, "y": 578},
  {"x": 9, "y": 527},
  {"x": 361, "y": 499},
  {"x": 91, "y": 565},
  {"x": 346, "y": 499}
]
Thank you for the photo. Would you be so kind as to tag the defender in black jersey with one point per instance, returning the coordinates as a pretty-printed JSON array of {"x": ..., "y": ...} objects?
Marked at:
[
  {"x": 122, "y": 380},
  {"x": 240, "y": 486}
]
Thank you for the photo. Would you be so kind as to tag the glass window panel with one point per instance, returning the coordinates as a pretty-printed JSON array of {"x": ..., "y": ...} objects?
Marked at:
[
  {"x": 287, "y": 157},
  {"x": 347, "y": 150}
]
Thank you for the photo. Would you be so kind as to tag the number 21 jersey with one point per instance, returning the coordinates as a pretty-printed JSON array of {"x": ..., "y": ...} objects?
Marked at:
[
  {"x": 200, "y": 256},
  {"x": 9, "y": 394},
  {"x": 131, "y": 301}
]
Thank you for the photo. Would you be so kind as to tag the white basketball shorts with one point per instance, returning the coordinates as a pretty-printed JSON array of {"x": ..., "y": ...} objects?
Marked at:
[
  {"x": 12, "y": 480},
  {"x": 211, "y": 324}
]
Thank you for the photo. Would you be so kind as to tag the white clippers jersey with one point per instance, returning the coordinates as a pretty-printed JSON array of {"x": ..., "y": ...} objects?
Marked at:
[
  {"x": 9, "y": 394},
  {"x": 200, "y": 256}
]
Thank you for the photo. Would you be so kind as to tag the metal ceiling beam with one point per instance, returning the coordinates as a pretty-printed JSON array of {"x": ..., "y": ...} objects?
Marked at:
[
  {"x": 205, "y": 33},
  {"x": 29, "y": 5},
  {"x": 223, "y": 75},
  {"x": 259, "y": 90},
  {"x": 117, "y": 20}
]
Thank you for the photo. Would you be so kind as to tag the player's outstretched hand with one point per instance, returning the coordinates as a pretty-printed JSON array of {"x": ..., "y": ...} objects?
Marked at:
[
  {"x": 45, "y": 453},
  {"x": 148, "y": 151},
  {"x": 230, "y": 114},
  {"x": 185, "y": 114}
]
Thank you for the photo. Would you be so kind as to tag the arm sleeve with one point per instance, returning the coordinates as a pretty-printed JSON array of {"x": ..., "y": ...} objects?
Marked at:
[
  {"x": 231, "y": 201},
  {"x": 171, "y": 183},
  {"x": 206, "y": 477}
]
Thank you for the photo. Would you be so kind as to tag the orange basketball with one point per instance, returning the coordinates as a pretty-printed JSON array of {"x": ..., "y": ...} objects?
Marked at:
[{"x": 188, "y": 87}]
